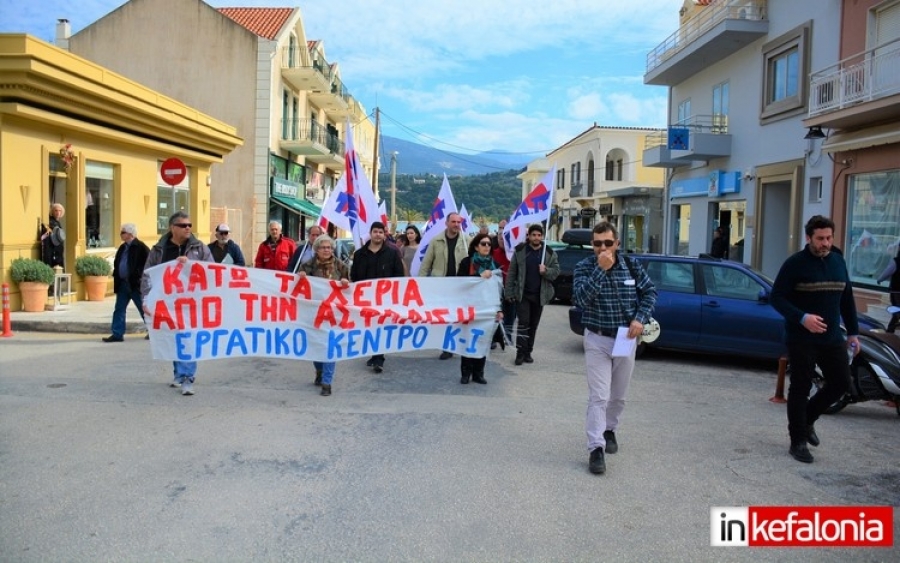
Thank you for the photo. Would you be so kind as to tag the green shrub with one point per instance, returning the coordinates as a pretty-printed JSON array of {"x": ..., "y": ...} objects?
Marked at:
[
  {"x": 91, "y": 265},
  {"x": 30, "y": 270}
]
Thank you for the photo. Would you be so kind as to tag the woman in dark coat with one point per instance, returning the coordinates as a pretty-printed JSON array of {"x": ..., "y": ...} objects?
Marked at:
[
  {"x": 478, "y": 263},
  {"x": 53, "y": 238}
]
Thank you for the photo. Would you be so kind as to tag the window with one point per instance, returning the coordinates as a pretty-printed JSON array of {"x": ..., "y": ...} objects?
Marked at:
[
  {"x": 560, "y": 178},
  {"x": 684, "y": 112},
  {"x": 285, "y": 115},
  {"x": 873, "y": 224},
  {"x": 99, "y": 204},
  {"x": 720, "y": 108},
  {"x": 610, "y": 169},
  {"x": 590, "y": 178},
  {"x": 786, "y": 64},
  {"x": 681, "y": 227},
  {"x": 815, "y": 190},
  {"x": 671, "y": 276},
  {"x": 731, "y": 283}
]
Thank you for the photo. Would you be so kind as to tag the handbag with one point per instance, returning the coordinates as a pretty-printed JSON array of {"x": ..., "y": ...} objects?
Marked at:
[{"x": 651, "y": 328}]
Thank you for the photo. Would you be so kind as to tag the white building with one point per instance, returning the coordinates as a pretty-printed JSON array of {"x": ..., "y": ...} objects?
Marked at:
[{"x": 735, "y": 149}]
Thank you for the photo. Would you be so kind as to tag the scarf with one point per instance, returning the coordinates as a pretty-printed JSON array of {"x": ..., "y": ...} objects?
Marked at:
[
  {"x": 481, "y": 263},
  {"x": 324, "y": 268}
]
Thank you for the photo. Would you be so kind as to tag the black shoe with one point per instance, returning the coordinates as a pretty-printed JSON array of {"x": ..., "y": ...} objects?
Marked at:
[
  {"x": 147, "y": 336},
  {"x": 464, "y": 379},
  {"x": 520, "y": 359},
  {"x": 378, "y": 368},
  {"x": 597, "y": 465},
  {"x": 113, "y": 339},
  {"x": 493, "y": 345},
  {"x": 446, "y": 355},
  {"x": 811, "y": 435},
  {"x": 479, "y": 378},
  {"x": 318, "y": 381},
  {"x": 326, "y": 391},
  {"x": 370, "y": 363},
  {"x": 801, "y": 453},
  {"x": 528, "y": 358},
  {"x": 611, "y": 445}
]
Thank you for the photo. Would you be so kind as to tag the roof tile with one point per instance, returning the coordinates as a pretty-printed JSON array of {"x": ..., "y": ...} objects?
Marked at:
[{"x": 265, "y": 22}]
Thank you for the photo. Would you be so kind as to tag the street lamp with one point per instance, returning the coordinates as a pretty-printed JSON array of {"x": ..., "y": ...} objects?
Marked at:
[{"x": 394, "y": 191}]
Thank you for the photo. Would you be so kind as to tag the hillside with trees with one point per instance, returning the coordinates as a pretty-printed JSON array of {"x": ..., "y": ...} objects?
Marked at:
[{"x": 488, "y": 197}]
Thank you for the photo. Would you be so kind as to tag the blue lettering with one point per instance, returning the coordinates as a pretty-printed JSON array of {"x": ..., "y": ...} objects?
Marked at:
[
  {"x": 476, "y": 334},
  {"x": 201, "y": 338},
  {"x": 281, "y": 344},
  {"x": 217, "y": 335},
  {"x": 450, "y": 337},
  {"x": 371, "y": 344},
  {"x": 254, "y": 331},
  {"x": 299, "y": 342},
  {"x": 420, "y": 336},
  {"x": 180, "y": 345}
]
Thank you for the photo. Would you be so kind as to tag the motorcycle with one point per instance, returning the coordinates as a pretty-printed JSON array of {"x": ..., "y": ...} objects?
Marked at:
[{"x": 874, "y": 372}]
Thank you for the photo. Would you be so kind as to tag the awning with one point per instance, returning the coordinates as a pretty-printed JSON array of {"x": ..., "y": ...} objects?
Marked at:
[
  {"x": 299, "y": 206},
  {"x": 870, "y": 137}
]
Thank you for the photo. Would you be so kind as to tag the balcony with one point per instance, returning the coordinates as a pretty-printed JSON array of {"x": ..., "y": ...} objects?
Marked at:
[
  {"x": 859, "y": 90},
  {"x": 310, "y": 139},
  {"x": 716, "y": 32},
  {"x": 334, "y": 99},
  {"x": 314, "y": 77},
  {"x": 700, "y": 137}
]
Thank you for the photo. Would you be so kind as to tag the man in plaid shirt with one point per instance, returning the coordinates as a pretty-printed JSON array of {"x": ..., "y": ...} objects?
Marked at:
[{"x": 613, "y": 291}]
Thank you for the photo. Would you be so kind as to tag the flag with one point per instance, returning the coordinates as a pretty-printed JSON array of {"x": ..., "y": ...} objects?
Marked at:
[
  {"x": 352, "y": 205},
  {"x": 382, "y": 211},
  {"x": 443, "y": 206},
  {"x": 467, "y": 224},
  {"x": 535, "y": 208}
]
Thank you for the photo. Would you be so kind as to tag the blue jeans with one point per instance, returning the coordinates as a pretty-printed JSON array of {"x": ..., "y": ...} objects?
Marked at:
[
  {"x": 185, "y": 370},
  {"x": 327, "y": 369},
  {"x": 123, "y": 297}
]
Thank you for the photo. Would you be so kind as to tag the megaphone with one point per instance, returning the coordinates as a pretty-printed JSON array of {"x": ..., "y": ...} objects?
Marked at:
[{"x": 651, "y": 331}]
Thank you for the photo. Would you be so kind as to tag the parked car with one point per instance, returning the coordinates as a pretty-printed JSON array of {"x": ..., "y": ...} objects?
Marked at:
[
  {"x": 576, "y": 246},
  {"x": 344, "y": 249},
  {"x": 715, "y": 306}
]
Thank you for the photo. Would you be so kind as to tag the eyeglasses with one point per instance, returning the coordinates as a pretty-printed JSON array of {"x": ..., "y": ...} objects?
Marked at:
[
  {"x": 183, "y": 225},
  {"x": 123, "y": 232},
  {"x": 484, "y": 243},
  {"x": 223, "y": 232},
  {"x": 324, "y": 248},
  {"x": 606, "y": 243}
]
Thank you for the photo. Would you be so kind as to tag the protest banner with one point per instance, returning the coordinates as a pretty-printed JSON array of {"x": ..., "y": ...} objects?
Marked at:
[{"x": 206, "y": 311}]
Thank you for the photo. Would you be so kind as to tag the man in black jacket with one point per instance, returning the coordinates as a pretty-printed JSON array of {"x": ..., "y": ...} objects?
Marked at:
[
  {"x": 813, "y": 293},
  {"x": 376, "y": 259},
  {"x": 127, "y": 271}
]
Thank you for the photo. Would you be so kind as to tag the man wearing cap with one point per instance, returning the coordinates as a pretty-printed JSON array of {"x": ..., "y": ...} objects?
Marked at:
[
  {"x": 128, "y": 268},
  {"x": 225, "y": 250}
]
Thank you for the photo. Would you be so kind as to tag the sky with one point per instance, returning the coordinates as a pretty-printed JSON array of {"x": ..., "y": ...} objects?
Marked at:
[{"x": 521, "y": 76}]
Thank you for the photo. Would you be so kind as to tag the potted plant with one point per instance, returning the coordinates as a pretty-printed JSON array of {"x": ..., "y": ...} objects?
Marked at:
[
  {"x": 96, "y": 271},
  {"x": 34, "y": 279}
]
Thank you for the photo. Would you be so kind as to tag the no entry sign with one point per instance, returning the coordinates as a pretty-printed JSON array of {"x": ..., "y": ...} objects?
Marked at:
[{"x": 173, "y": 171}]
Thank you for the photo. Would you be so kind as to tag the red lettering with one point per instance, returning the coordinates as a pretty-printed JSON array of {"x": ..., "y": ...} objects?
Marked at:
[
  {"x": 368, "y": 313},
  {"x": 249, "y": 299},
  {"x": 285, "y": 279},
  {"x": 212, "y": 311},
  {"x": 268, "y": 308},
  {"x": 358, "y": 290},
  {"x": 216, "y": 270},
  {"x": 336, "y": 295},
  {"x": 440, "y": 315},
  {"x": 326, "y": 313},
  {"x": 239, "y": 278},
  {"x": 461, "y": 315},
  {"x": 161, "y": 315},
  {"x": 197, "y": 278},
  {"x": 412, "y": 295},
  {"x": 171, "y": 280},
  {"x": 384, "y": 287},
  {"x": 186, "y": 306}
]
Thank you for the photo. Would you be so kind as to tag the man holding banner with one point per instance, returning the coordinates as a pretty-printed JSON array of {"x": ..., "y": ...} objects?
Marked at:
[{"x": 376, "y": 260}]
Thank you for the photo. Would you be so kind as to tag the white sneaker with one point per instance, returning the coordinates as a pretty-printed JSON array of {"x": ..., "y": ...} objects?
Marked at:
[
  {"x": 176, "y": 382},
  {"x": 187, "y": 387}
]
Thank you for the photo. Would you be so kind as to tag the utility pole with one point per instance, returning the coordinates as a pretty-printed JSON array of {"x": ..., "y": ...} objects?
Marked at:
[
  {"x": 375, "y": 154},
  {"x": 394, "y": 191}
]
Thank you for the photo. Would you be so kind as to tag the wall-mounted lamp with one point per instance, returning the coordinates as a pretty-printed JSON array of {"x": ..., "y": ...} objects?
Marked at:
[{"x": 815, "y": 132}]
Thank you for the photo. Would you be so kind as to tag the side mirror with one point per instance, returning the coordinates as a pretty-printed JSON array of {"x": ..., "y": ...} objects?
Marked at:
[{"x": 763, "y": 296}]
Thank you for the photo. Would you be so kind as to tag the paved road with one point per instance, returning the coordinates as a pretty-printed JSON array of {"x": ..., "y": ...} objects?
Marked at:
[{"x": 100, "y": 460}]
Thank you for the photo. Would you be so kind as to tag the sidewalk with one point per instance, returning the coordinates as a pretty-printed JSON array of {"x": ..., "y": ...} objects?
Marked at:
[{"x": 85, "y": 317}]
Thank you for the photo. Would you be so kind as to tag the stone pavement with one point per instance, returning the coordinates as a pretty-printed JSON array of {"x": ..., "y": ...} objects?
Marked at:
[{"x": 85, "y": 317}]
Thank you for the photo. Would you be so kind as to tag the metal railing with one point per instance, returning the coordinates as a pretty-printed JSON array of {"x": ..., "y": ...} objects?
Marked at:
[
  {"x": 866, "y": 76},
  {"x": 308, "y": 130},
  {"x": 705, "y": 19},
  {"x": 716, "y": 124}
]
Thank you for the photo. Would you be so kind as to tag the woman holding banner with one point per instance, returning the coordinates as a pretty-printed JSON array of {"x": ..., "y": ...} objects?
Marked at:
[
  {"x": 324, "y": 265},
  {"x": 478, "y": 263}
]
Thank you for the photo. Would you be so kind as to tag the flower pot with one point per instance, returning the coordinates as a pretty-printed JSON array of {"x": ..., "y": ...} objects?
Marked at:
[
  {"x": 95, "y": 287},
  {"x": 34, "y": 296}
]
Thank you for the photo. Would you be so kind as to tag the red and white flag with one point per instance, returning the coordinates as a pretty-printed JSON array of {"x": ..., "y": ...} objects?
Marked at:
[
  {"x": 535, "y": 208},
  {"x": 444, "y": 205}
]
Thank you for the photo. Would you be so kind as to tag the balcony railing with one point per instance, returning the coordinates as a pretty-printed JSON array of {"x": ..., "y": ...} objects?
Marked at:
[
  {"x": 706, "y": 19},
  {"x": 309, "y": 130},
  {"x": 863, "y": 77}
]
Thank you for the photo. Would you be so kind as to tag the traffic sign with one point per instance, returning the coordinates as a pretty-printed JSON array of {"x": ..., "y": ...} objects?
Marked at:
[{"x": 173, "y": 171}]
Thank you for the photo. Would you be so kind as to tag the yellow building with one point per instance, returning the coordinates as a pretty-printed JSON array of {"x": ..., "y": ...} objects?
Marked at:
[{"x": 75, "y": 133}]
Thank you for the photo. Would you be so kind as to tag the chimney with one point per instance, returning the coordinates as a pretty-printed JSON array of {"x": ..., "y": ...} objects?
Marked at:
[{"x": 63, "y": 32}]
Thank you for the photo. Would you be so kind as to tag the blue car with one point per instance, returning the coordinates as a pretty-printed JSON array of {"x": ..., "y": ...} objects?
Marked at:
[{"x": 714, "y": 306}]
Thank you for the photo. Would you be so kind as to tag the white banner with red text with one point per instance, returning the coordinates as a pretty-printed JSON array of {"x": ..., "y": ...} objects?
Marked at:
[{"x": 207, "y": 311}]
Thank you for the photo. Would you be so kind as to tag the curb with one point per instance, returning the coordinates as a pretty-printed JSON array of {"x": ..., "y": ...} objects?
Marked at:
[{"x": 72, "y": 327}]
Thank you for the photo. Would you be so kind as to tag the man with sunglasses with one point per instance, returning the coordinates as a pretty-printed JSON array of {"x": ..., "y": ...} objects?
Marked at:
[
  {"x": 613, "y": 291},
  {"x": 224, "y": 250},
  {"x": 529, "y": 282},
  {"x": 177, "y": 244}
]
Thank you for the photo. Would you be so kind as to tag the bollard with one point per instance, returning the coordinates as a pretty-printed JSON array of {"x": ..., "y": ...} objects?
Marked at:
[
  {"x": 779, "y": 384},
  {"x": 7, "y": 320}
]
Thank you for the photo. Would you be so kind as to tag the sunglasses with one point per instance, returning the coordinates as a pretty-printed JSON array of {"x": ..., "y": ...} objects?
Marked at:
[
  {"x": 223, "y": 232},
  {"x": 123, "y": 232},
  {"x": 183, "y": 225},
  {"x": 606, "y": 243},
  {"x": 484, "y": 243}
]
